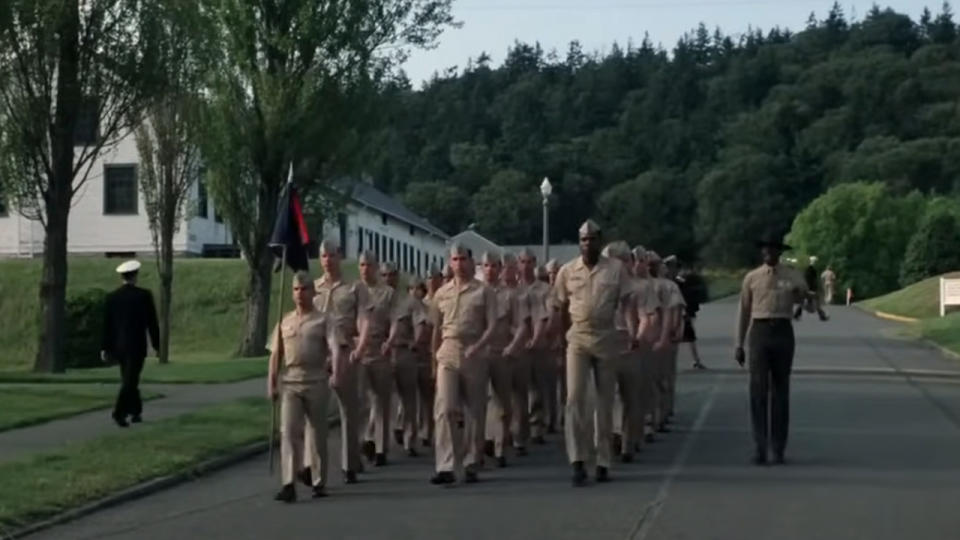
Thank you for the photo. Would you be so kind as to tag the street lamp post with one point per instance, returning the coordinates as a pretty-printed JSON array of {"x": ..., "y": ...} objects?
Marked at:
[{"x": 545, "y": 190}]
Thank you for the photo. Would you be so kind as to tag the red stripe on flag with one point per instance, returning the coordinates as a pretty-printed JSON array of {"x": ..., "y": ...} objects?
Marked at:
[{"x": 298, "y": 217}]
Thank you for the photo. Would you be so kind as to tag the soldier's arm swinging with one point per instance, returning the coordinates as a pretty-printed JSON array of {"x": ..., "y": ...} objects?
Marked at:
[
  {"x": 274, "y": 364},
  {"x": 490, "y": 320}
]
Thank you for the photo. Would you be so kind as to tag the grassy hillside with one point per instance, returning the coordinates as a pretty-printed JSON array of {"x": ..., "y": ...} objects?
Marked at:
[
  {"x": 207, "y": 314},
  {"x": 920, "y": 300}
]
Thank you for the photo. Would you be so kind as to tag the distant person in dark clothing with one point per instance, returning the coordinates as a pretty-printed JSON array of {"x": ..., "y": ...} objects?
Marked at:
[
  {"x": 129, "y": 315},
  {"x": 812, "y": 279},
  {"x": 694, "y": 291}
]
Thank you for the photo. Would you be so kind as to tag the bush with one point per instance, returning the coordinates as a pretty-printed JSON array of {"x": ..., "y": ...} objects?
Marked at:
[
  {"x": 84, "y": 328},
  {"x": 934, "y": 248}
]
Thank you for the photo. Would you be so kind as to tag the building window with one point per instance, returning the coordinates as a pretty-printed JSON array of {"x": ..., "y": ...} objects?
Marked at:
[
  {"x": 392, "y": 257},
  {"x": 203, "y": 202},
  {"x": 3, "y": 205},
  {"x": 413, "y": 231},
  {"x": 406, "y": 257},
  {"x": 376, "y": 244},
  {"x": 119, "y": 189},
  {"x": 359, "y": 241},
  {"x": 383, "y": 247},
  {"x": 383, "y": 219},
  {"x": 217, "y": 216},
  {"x": 85, "y": 132},
  {"x": 416, "y": 254}
]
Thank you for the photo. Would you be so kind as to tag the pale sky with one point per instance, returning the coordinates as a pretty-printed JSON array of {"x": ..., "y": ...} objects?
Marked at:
[{"x": 493, "y": 25}]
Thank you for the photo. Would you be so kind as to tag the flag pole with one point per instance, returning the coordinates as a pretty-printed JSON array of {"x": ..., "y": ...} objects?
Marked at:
[{"x": 273, "y": 404}]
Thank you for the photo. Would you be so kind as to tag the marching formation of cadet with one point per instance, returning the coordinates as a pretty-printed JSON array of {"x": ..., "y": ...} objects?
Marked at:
[{"x": 479, "y": 368}]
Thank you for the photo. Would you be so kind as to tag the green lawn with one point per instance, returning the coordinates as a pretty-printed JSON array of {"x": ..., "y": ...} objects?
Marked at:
[
  {"x": 922, "y": 301},
  {"x": 48, "y": 483},
  {"x": 25, "y": 405},
  {"x": 723, "y": 283},
  {"x": 207, "y": 311},
  {"x": 200, "y": 369}
]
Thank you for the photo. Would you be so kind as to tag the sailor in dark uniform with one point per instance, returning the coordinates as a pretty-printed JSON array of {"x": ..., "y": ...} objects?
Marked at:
[{"x": 129, "y": 315}]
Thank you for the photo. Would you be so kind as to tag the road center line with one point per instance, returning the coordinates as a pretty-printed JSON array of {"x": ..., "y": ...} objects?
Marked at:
[{"x": 652, "y": 511}]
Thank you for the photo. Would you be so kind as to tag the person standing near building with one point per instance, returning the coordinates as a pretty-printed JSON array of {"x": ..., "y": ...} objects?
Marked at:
[
  {"x": 767, "y": 298},
  {"x": 345, "y": 303},
  {"x": 590, "y": 288},
  {"x": 464, "y": 317},
  {"x": 303, "y": 356},
  {"x": 129, "y": 317}
]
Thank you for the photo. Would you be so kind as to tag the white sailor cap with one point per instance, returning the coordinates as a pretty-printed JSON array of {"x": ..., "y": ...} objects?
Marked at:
[{"x": 129, "y": 266}]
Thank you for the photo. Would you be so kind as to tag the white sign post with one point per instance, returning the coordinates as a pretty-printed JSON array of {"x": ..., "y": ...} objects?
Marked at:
[{"x": 949, "y": 294}]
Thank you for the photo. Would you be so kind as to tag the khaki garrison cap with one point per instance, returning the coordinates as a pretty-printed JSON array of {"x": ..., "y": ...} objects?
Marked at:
[
  {"x": 589, "y": 228},
  {"x": 457, "y": 248},
  {"x": 528, "y": 253},
  {"x": 617, "y": 250},
  {"x": 639, "y": 253},
  {"x": 652, "y": 257},
  {"x": 388, "y": 268},
  {"x": 368, "y": 257},
  {"x": 329, "y": 246},
  {"x": 552, "y": 265},
  {"x": 508, "y": 258},
  {"x": 489, "y": 258}
]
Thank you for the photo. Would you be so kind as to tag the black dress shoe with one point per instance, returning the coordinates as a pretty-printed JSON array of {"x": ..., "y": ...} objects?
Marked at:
[
  {"x": 136, "y": 419},
  {"x": 521, "y": 451},
  {"x": 603, "y": 474},
  {"x": 778, "y": 458},
  {"x": 349, "y": 477},
  {"x": 369, "y": 450},
  {"x": 617, "y": 444},
  {"x": 442, "y": 478},
  {"x": 319, "y": 492},
  {"x": 306, "y": 477},
  {"x": 759, "y": 459},
  {"x": 398, "y": 436},
  {"x": 539, "y": 440},
  {"x": 286, "y": 494},
  {"x": 380, "y": 460},
  {"x": 425, "y": 443},
  {"x": 488, "y": 448},
  {"x": 120, "y": 421},
  {"x": 626, "y": 458},
  {"x": 501, "y": 462},
  {"x": 412, "y": 453},
  {"x": 470, "y": 476},
  {"x": 579, "y": 474}
]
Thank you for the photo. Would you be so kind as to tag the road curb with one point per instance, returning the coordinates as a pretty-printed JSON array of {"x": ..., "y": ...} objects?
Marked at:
[
  {"x": 881, "y": 372},
  {"x": 892, "y": 317},
  {"x": 149, "y": 487},
  {"x": 909, "y": 320}
]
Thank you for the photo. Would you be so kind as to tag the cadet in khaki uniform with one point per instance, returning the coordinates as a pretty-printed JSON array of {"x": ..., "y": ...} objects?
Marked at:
[
  {"x": 627, "y": 422},
  {"x": 543, "y": 367},
  {"x": 648, "y": 334},
  {"x": 305, "y": 350},
  {"x": 426, "y": 384},
  {"x": 591, "y": 288},
  {"x": 506, "y": 361},
  {"x": 345, "y": 304},
  {"x": 767, "y": 298},
  {"x": 376, "y": 371},
  {"x": 464, "y": 315},
  {"x": 557, "y": 343},
  {"x": 669, "y": 271},
  {"x": 665, "y": 326},
  {"x": 406, "y": 314}
]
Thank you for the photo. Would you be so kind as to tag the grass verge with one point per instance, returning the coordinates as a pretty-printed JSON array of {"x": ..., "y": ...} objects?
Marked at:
[
  {"x": 723, "y": 283},
  {"x": 27, "y": 405},
  {"x": 921, "y": 301},
  {"x": 46, "y": 484},
  {"x": 196, "y": 369}
]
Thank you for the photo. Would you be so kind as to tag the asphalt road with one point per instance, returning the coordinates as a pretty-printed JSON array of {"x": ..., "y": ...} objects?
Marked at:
[{"x": 874, "y": 454}]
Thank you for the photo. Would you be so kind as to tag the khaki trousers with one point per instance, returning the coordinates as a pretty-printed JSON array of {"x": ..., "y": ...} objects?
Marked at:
[
  {"x": 543, "y": 392},
  {"x": 426, "y": 390},
  {"x": 303, "y": 419},
  {"x": 671, "y": 367},
  {"x": 461, "y": 390},
  {"x": 647, "y": 388},
  {"x": 405, "y": 377},
  {"x": 629, "y": 415},
  {"x": 500, "y": 411},
  {"x": 522, "y": 374},
  {"x": 586, "y": 355},
  {"x": 376, "y": 380},
  {"x": 348, "y": 398}
]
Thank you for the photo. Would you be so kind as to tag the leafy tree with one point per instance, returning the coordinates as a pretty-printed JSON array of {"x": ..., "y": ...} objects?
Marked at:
[
  {"x": 444, "y": 205},
  {"x": 292, "y": 85},
  {"x": 860, "y": 229},
  {"x": 932, "y": 249},
  {"x": 73, "y": 79},
  {"x": 508, "y": 207}
]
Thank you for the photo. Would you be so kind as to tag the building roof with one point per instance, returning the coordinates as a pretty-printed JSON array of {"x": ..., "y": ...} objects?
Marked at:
[
  {"x": 561, "y": 252},
  {"x": 476, "y": 242},
  {"x": 371, "y": 197}
]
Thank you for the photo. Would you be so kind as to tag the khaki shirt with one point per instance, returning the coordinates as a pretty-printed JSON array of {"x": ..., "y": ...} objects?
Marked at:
[
  {"x": 306, "y": 349},
  {"x": 648, "y": 301},
  {"x": 768, "y": 293},
  {"x": 406, "y": 313},
  {"x": 511, "y": 314},
  {"x": 538, "y": 298},
  {"x": 377, "y": 314},
  {"x": 593, "y": 295},
  {"x": 344, "y": 302},
  {"x": 462, "y": 313}
]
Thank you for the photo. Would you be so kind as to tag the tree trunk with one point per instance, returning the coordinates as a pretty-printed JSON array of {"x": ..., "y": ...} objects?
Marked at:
[
  {"x": 57, "y": 196},
  {"x": 258, "y": 305},
  {"x": 53, "y": 292},
  {"x": 166, "y": 288}
]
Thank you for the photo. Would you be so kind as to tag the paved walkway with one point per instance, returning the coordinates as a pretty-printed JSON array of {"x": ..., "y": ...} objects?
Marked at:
[
  {"x": 870, "y": 457},
  {"x": 179, "y": 399}
]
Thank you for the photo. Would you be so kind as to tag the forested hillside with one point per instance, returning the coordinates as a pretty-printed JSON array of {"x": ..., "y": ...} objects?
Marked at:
[{"x": 694, "y": 150}]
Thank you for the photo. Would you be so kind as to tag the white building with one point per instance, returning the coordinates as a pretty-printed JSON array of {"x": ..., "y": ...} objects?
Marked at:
[
  {"x": 478, "y": 244},
  {"x": 109, "y": 216},
  {"x": 377, "y": 222}
]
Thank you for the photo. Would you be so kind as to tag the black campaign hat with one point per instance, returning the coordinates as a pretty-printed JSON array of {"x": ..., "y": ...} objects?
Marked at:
[{"x": 773, "y": 239}]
